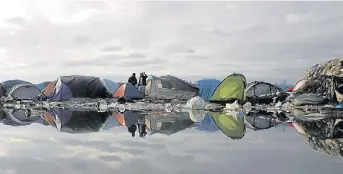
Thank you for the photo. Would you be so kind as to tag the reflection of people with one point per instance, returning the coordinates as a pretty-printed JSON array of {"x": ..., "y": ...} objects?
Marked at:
[
  {"x": 133, "y": 79},
  {"x": 142, "y": 126},
  {"x": 132, "y": 129}
]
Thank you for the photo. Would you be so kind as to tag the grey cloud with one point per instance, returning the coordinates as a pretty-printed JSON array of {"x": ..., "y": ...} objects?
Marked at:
[
  {"x": 141, "y": 62},
  {"x": 137, "y": 144},
  {"x": 196, "y": 57},
  {"x": 81, "y": 39},
  {"x": 16, "y": 20},
  {"x": 110, "y": 158},
  {"x": 111, "y": 48}
]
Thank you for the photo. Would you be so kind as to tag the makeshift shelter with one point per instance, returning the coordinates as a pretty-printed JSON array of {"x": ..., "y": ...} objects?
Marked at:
[
  {"x": 231, "y": 124},
  {"x": 167, "y": 123},
  {"x": 18, "y": 117},
  {"x": 127, "y": 118},
  {"x": 207, "y": 87},
  {"x": 320, "y": 79},
  {"x": 207, "y": 124},
  {"x": 261, "y": 92},
  {"x": 74, "y": 121},
  {"x": 232, "y": 88},
  {"x": 110, "y": 85},
  {"x": 23, "y": 91},
  {"x": 129, "y": 91},
  {"x": 10, "y": 83},
  {"x": 66, "y": 87},
  {"x": 299, "y": 85},
  {"x": 259, "y": 120},
  {"x": 169, "y": 87},
  {"x": 42, "y": 85},
  {"x": 2, "y": 90}
]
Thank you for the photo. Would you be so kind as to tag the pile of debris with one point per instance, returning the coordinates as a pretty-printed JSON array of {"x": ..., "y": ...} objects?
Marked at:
[{"x": 320, "y": 80}]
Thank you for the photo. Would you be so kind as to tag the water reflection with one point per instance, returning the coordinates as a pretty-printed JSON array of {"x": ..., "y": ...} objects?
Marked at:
[
  {"x": 323, "y": 129},
  {"x": 323, "y": 135}
]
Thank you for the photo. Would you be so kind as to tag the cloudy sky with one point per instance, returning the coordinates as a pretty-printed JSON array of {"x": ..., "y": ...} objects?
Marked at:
[{"x": 40, "y": 40}]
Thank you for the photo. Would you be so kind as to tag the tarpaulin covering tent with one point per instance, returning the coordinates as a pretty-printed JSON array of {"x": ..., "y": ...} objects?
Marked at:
[
  {"x": 128, "y": 118},
  {"x": 167, "y": 123},
  {"x": 18, "y": 117},
  {"x": 110, "y": 85},
  {"x": 309, "y": 99},
  {"x": 75, "y": 121},
  {"x": 261, "y": 92},
  {"x": 8, "y": 84},
  {"x": 42, "y": 85},
  {"x": 231, "y": 124},
  {"x": 2, "y": 90},
  {"x": 207, "y": 124},
  {"x": 259, "y": 120},
  {"x": 169, "y": 87},
  {"x": 24, "y": 91},
  {"x": 66, "y": 87},
  {"x": 129, "y": 91},
  {"x": 207, "y": 87},
  {"x": 230, "y": 89}
]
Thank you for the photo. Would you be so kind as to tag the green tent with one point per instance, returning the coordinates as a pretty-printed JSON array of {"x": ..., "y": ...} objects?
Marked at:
[
  {"x": 232, "y": 125},
  {"x": 232, "y": 88}
]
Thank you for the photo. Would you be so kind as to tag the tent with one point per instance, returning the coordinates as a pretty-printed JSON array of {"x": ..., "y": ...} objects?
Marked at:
[
  {"x": 128, "y": 118},
  {"x": 167, "y": 123},
  {"x": 110, "y": 85},
  {"x": 2, "y": 90},
  {"x": 232, "y": 125},
  {"x": 75, "y": 121},
  {"x": 259, "y": 120},
  {"x": 18, "y": 117},
  {"x": 169, "y": 87},
  {"x": 24, "y": 91},
  {"x": 207, "y": 87},
  {"x": 42, "y": 85},
  {"x": 66, "y": 87},
  {"x": 10, "y": 83},
  {"x": 261, "y": 92},
  {"x": 129, "y": 91},
  {"x": 207, "y": 124},
  {"x": 230, "y": 89}
]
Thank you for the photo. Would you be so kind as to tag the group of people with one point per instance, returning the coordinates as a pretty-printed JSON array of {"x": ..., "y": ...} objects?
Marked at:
[{"x": 142, "y": 79}]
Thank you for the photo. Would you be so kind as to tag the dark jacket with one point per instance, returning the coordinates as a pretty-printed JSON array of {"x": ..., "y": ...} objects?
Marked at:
[{"x": 133, "y": 80}]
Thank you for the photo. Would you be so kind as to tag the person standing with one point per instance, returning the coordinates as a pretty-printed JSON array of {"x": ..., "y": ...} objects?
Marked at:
[
  {"x": 133, "y": 79},
  {"x": 142, "y": 79}
]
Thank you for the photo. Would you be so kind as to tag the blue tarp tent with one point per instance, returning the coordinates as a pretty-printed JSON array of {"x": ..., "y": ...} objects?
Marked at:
[
  {"x": 110, "y": 85},
  {"x": 207, "y": 124},
  {"x": 207, "y": 87},
  {"x": 42, "y": 85}
]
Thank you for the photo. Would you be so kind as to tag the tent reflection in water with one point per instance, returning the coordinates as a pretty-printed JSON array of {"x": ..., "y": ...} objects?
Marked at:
[
  {"x": 207, "y": 124},
  {"x": 232, "y": 88},
  {"x": 324, "y": 135},
  {"x": 18, "y": 117},
  {"x": 231, "y": 123},
  {"x": 74, "y": 121},
  {"x": 259, "y": 120},
  {"x": 167, "y": 123}
]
